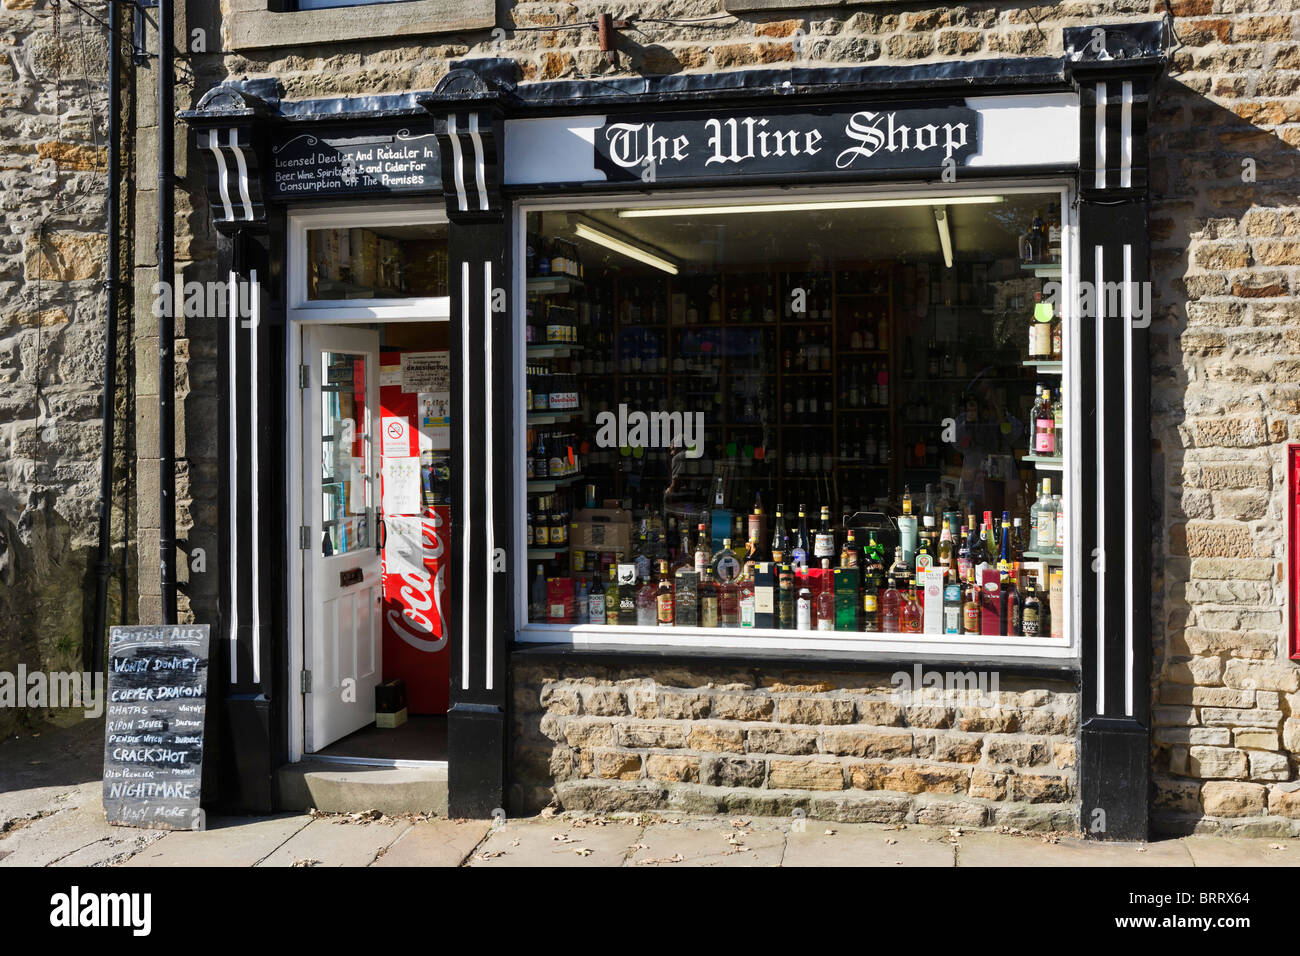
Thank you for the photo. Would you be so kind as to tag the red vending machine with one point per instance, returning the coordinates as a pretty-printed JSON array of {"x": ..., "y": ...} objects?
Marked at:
[{"x": 415, "y": 449}]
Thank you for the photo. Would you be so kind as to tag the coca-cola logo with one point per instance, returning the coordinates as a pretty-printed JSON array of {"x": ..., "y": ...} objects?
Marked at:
[{"x": 421, "y": 592}]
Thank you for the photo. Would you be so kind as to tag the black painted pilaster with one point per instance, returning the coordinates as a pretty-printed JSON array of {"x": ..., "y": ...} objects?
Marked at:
[
  {"x": 480, "y": 580},
  {"x": 1114, "y": 71}
]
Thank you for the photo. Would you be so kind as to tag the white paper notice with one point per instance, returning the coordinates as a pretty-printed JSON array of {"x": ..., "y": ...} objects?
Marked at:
[
  {"x": 357, "y": 486},
  {"x": 396, "y": 436},
  {"x": 401, "y": 486},
  {"x": 426, "y": 372}
]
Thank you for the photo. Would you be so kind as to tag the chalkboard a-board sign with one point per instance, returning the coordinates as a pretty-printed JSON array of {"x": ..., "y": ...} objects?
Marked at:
[{"x": 153, "y": 747}]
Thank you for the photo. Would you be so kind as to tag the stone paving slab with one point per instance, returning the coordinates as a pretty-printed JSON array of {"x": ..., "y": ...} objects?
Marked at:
[
  {"x": 435, "y": 843},
  {"x": 557, "y": 842},
  {"x": 982, "y": 848},
  {"x": 684, "y": 844},
  {"x": 867, "y": 844},
  {"x": 1236, "y": 851},
  {"x": 74, "y": 837},
  {"x": 329, "y": 842},
  {"x": 228, "y": 841}
]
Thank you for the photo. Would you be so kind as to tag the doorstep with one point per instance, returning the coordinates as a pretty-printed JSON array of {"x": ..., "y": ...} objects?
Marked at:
[{"x": 333, "y": 787}]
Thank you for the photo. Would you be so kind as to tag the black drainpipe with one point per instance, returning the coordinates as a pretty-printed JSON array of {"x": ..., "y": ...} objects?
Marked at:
[
  {"x": 166, "y": 321},
  {"x": 103, "y": 566}
]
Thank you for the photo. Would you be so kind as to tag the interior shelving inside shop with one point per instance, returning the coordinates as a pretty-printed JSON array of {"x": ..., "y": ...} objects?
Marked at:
[{"x": 844, "y": 419}]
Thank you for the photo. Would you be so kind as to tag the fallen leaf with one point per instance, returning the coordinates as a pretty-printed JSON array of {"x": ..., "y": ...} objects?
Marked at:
[{"x": 581, "y": 851}]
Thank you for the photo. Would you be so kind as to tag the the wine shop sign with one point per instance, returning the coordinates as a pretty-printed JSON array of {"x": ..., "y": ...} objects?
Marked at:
[{"x": 704, "y": 145}]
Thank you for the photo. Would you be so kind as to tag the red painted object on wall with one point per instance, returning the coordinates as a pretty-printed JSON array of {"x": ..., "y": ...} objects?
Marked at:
[{"x": 1293, "y": 545}]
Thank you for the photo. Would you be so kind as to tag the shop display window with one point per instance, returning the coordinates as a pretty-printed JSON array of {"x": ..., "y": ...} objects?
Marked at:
[
  {"x": 835, "y": 418},
  {"x": 383, "y": 262}
]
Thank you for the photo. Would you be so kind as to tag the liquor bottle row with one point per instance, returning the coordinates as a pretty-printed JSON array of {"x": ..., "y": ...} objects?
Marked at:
[
  {"x": 545, "y": 390},
  {"x": 552, "y": 453},
  {"x": 1041, "y": 242},
  {"x": 547, "y": 522},
  {"x": 811, "y": 403},
  {"x": 864, "y": 384},
  {"x": 552, "y": 256},
  {"x": 865, "y": 333},
  {"x": 809, "y": 352},
  {"x": 546, "y": 323},
  {"x": 870, "y": 445}
]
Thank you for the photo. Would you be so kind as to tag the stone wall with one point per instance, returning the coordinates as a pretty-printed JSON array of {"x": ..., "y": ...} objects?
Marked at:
[
  {"x": 1225, "y": 228},
  {"x": 850, "y": 747},
  {"x": 53, "y": 161}
]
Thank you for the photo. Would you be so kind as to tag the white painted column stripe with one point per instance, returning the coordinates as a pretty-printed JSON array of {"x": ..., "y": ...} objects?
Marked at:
[
  {"x": 1126, "y": 135},
  {"x": 480, "y": 169},
  {"x": 1130, "y": 532},
  {"x": 255, "y": 318},
  {"x": 1100, "y": 132},
  {"x": 232, "y": 475},
  {"x": 223, "y": 176},
  {"x": 1099, "y": 559},
  {"x": 490, "y": 543},
  {"x": 465, "y": 477},
  {"x": 458, "y": 166},
  {"x": 243, "y": 175}
]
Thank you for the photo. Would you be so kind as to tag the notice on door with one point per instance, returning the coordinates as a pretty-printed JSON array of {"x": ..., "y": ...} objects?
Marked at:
[{"x": 153, "y": 743}]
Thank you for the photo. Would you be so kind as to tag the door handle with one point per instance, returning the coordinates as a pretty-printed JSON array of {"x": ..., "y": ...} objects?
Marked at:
[{"x": 381, "y": 536}]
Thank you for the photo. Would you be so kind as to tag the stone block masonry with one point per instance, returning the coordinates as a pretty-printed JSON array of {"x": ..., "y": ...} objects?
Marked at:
[{"x": 828, "y": 745}]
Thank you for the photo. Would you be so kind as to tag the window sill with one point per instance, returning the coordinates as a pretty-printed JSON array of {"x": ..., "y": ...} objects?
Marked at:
[
  {"x": 754, "y": 644},
  {"x": 1059, "y": 668},
  {"x": 253, "y": 27}
]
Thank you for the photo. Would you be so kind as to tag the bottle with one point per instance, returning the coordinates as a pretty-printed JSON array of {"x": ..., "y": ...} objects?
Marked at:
[
  {"x": 979, "y": 554},
  {"x": 1006, "y": 559},
  {"x": 537, "y": 599},
  {"x": 1031, "y": 611},
  {"x": 1046, "y": 543},
  {"x": 801, "y": 545},
  {"x": 899, "y": 570},
  {"x": 947, "y": 554},
  {"x": 780, "y": 537},
  {"x": 748, "y": 604},
  {"x": 612, "y": 597},
  {"x": 875, "y": 561},
  {"x": 907, "y": 527},
  {"x": 824, "y": 540},
  {"x": 870, "y": 606},
  {"x": 664, "y": 597},
  {"x": 724, "y": 566},
  {"x": 965, "y": 569},
  {"x": 891, "y": 608},
  {"x": 849, "y": 553},
  {"x": 582, "y": 600},
  {"x": 757, "y": 527},
  {"x": 702, "y": 555},
  {"x": 804, "y": 608},
  {"x": 925, "y": 553},
  {"x": 1058, "y": 419},
  {"x": 627, "y": 604},
  {"x": 826, "y": 609},
  {"x": 1011, "y": 605},
  {"x": 708, "y": 600},
  {"x": 1060, "y": 525},
  {"x": 785, "y": 599},
  {"x": 1040, "y": 330},
  {"x": 646, "y": 604},
  {"x": 952, "y": 608},
  {"x": 1044, "y": 425},
  {"x": 596, "y": 601},
  {"x": 970, "y": 613},
  {"x": 911, "y": 617}
]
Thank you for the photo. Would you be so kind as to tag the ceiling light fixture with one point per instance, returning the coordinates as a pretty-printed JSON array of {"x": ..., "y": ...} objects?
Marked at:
[
  {"x": 945, "y": 237},
  {"x": 811, "y": 205},
  {"x": 623, "y": 246}
]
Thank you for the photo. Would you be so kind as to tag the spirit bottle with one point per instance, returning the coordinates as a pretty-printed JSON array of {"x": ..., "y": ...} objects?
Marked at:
[
  {"x": 724, "y": 566},
  {"x": 911, "y": 617},
  {"x": 708, "y": 600},
  {"x": 826, "y": 609},
  {"x": 849, "y": 553},
  {"x": 870, "y": 606},
  {"x": 1044, "y": 425},
  {"x": 785, "y": 599},
  {"x": 799, "y": 550},
  {"x": 537, "y": 599},
  {"x": 664, "y": 597},
  {"x": 891, "y": 608},
  {"x": 702, "y": 555},
  {"x": 780, "y": 537},
  {"x": 646, "y": 610},
  {"x": 1040, "y": 330},
  {"x": 1031, "y": 612},
  {"x": 970, "y": 612},
  {"x": 824, "y": 541},
  {"x": 804, "y": 609},
  {"x": 1046, "y": 542},
  {"x": 611, "y": 597}
]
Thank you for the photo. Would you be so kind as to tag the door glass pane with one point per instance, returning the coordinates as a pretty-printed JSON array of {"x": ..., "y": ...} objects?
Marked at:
[{"x": 344, "y": 455}]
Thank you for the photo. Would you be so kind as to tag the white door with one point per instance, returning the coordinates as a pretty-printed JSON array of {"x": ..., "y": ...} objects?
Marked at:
[{"x": 342, "y": 584}]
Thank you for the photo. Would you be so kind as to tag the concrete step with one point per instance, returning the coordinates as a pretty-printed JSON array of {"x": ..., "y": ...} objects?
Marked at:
[{"x": 349, "y": 788}]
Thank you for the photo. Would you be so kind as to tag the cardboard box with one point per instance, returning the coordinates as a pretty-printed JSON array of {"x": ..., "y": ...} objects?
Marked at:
[
  {"x": 390, "y": 721},
  {"x": 764, "y": 594},
  {"x": 846, "y": 598},
  {"x": 559, "y": 600},
  {"x": 601, "y": 529}
]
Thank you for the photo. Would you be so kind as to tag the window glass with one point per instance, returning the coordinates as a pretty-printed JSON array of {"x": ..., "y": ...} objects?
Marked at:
[
  {"x": 391, "y": 262},
  {"x": 345, "y": 487},
  {"x": 832, "y": 416}
]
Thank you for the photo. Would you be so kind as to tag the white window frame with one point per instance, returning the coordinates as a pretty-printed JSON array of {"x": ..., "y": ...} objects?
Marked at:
[
  {"x": 303, "y": 311},
  {"x": 1067, "y": 647}
]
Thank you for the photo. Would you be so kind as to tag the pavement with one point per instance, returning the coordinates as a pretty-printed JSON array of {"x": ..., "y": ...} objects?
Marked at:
[{"x": 51, "y": 815}]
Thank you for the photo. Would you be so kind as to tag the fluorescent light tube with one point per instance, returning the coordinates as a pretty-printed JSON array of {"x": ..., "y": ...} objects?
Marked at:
[
  {"x": 945, "y": 237},
  {"x": 808, "y": 206},
  {"x": 626, "y": 248}
]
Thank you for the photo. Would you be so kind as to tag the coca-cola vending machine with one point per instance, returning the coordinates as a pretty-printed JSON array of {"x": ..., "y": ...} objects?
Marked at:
[{"x": 415, "y": 449}]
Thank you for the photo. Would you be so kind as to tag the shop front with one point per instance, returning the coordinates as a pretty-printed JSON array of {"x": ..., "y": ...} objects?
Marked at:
[{"x": 766, "y": 442}]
